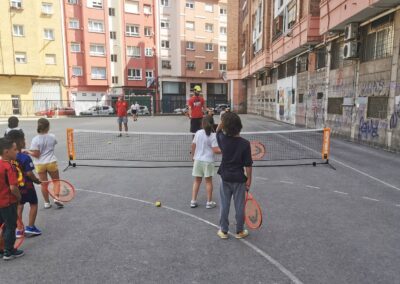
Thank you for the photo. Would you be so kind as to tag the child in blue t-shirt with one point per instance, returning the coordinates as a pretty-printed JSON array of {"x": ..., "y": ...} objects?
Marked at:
[
  {"x": 26, "y": 184},
  {"x": 236, "y": 155}
]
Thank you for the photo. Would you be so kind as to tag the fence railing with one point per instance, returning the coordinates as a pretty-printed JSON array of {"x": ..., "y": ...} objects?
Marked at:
[{"x": 71, "y": 108}]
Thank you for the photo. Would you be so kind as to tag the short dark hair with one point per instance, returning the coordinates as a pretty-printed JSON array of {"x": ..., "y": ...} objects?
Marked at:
[
  {"x": 13, "y": 122},
  {"x": 232, "y": 125},
  {"x": 43, "y": 125},
  {"x": 5, "y": 144},
  {"x": 15, "y": 136}
]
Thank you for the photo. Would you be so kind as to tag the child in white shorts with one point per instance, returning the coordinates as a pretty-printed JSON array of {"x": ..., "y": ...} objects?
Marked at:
[{"x": 204, "y": 146}]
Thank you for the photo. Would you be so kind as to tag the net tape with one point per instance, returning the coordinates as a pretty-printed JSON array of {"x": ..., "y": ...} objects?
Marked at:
[{"x": 175, "y": 147}]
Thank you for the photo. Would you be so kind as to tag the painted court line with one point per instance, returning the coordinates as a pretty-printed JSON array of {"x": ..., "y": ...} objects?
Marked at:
[
  {"x": 262, "y": 178},
  {"x": 315, "y": 187},
  {"x": 284, "y": 181},
  {"x": 398, "y": 205},
  {"x": 340, "y": 192},
  {"x": 368, "y": 198},
  {"x": 271, "y": 260}
]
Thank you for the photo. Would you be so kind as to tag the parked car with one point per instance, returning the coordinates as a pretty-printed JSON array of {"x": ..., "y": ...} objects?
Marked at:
[
  {"x": 98, "y": 110},
  {"x": 143, "y": 110},
  {"x": 220, "y": 107},
  {"x": 63, "y": 111},
  {"x": 183, "y": 110}
]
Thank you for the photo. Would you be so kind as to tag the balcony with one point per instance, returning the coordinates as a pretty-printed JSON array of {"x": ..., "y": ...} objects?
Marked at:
[
  {"x": 335, "y": 14},
  {"x": 298, "y": 39}
]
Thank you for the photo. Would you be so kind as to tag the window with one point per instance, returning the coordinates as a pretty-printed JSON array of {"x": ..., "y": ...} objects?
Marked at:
[
  {"x": 97, "y": 49},
  {"x": 190, "y": 45},
  {"x": 132, "y": 7},
  {"x": 113, "y": 58},
  {"x": 377, "y": 38},
  {"x": 98, "y": 73},
  {"x": 209, "y": 28},
  {"x": 133, "y": 51},
  {"x": 148, "y": 52},
  {"x": 96, "y": 26},
  {"x": 50, "y": 59},
  {"x": 147, "y": 9},
  {"x": 336, "y": 54},
  {"x": 222, "y": 67},
  {"x": 114, "y": 79},
  {"x": 302, "y": 63},
  {"x": 132, "y": 30},
  {"x": 209, "y": 47},
  {"x": 222, "y": 30},
  {"x": 113, "y": 35},
  {"x": 18, "y": 30},
  {"x": 147, "y": 31},
  {"x": 73, "y": 2},
  {"x": 335, "y": 105},
  {"x": 301, "y": 98},
  {"x": 73, "y": 23},
  {"x": 48, "y": 34},
  {"x": 189, "y": 25},
  {"x": 164, "y": 3},
  {"x": 20, "y": 57},
  {"x": 209, "y": 66},
  {"x": 95, "y": 4},
  {"x": 164, "y": 24},
  {"x": 134, "y": 74},
  {"x": 223, "y": 48},
  {"x": 149, "y": 74},
  {"x": 75, "y": 47},
  {"x": 111, "y": 11},
  {"x": 165, "y": 43},
  {"x": 321, "y": 58},
  {"x": 47, "y": 8},
  {"x": 190, "y": 4},
  {"x": 76, "y": 71},
  {"x": 377, "y": 107},
  {"x": 291, "y": 14},
  {"x": 208, "y": 8},
  {"x": 16, "y": 4},
  {"x": 165, "y": 64},
  {"x": 190, "y": 65},
  {"x": 222, "y": 11}
]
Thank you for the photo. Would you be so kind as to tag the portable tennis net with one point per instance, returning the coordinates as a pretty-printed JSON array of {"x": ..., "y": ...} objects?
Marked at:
[{"x": 157, "y": 149}]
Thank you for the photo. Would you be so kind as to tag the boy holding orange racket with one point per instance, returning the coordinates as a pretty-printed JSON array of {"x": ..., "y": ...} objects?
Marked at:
[
  {"x": 27, "y": 189},
  {"x": 9, "y": 196},
  {"x": 236, "y": 155}
]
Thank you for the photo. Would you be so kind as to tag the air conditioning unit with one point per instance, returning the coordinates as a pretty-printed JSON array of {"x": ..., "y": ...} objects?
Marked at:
[
  {"x": 16, "y": 5},
  {"x": 351, "y": 31},
  {"x": 350, "y": 50}
]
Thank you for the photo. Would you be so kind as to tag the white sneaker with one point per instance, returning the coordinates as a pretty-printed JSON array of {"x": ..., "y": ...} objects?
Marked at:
[
  {"x": 193, "y": 204},
  {"x": 210, "y": 204},
  {"x": 47, "y": 205}
]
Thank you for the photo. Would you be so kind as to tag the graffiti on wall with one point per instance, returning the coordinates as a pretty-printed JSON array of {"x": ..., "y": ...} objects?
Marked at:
[
  {"x": 286, "y": 110},
  {"x": 394, "y": 118},
  {"x": 376, "y": 87}
]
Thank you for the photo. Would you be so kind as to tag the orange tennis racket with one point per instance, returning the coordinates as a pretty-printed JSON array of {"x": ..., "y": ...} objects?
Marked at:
[
  {"x": 19, "y": 241},
  {"x": 252, "y": 212},
  {"x": 60, "y": 189}
]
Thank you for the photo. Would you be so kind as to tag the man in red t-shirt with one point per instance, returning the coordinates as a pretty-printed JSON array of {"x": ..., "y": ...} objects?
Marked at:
[
  {"x": 122, "y": 113},
  {"x": 196, "y": 108},
  {"x": 9, "y": 196}
]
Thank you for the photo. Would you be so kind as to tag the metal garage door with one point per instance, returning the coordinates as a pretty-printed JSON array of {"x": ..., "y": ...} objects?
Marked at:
[{"x": 46, "y": 95}]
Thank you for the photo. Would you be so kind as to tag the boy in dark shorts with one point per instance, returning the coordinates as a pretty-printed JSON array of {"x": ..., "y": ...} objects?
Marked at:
[
  {"x": 9, "y": 197},
  {"x": 236, "y": 155},
  {"x": 28, "y": 193}
]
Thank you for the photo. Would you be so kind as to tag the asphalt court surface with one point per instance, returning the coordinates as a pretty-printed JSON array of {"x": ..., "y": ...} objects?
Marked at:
[{"x": 321, "y": 225}]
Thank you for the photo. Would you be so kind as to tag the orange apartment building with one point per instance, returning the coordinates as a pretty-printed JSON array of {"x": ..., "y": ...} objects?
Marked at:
[
  {"x": 192, "y": 50},
  {"x": 110, "y": 49},
  {"x": 319, "y": 63}
]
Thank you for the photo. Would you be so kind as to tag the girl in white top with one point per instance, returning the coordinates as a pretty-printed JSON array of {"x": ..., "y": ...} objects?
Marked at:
[
  {"x": 42, "y": 152},
  {"x": 204, "y": 146}
]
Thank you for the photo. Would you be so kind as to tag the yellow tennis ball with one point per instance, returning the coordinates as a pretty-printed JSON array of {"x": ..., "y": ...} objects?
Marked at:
[
  {"x": 109, "y": 142},
  {"x": 158, "y": 204}
]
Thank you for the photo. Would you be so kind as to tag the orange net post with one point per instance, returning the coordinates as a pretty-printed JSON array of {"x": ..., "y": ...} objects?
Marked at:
[
  {"x": 326, "y": 144},
  {"x": 70, "y": 144}
]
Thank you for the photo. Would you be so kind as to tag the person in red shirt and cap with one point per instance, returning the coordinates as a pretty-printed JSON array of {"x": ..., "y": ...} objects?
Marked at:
[
  {"x": 196, "y": 109},
  {"x": 122, "y": 113}
]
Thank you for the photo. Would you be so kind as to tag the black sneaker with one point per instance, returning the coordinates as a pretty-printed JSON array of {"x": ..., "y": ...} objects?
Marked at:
[{"x": 14, "y": 254}]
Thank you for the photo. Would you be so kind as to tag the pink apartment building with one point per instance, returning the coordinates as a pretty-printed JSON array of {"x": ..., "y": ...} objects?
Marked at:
[{"x": 110, "y": 49}]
